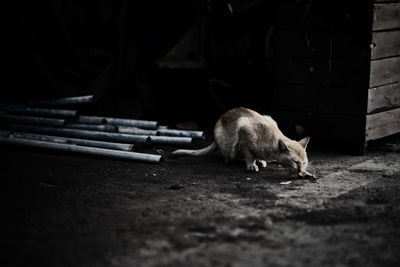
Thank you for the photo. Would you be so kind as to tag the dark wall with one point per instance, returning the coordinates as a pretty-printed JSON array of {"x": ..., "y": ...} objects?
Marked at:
[
  {"x": 238, "y": 44},
  {"x": 64, "y": 48}
]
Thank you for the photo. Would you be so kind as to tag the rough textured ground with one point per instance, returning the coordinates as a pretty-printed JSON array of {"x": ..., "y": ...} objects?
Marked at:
[{"x": 69, "y": 210}]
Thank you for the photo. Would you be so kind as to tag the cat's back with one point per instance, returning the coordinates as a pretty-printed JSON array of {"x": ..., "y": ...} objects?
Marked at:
[
  {"x": 235, "y": 117},
  {"x": 226, "y": 127},
  {"x": 230, "y": 118},
  {"x": 259, "y": 129}
]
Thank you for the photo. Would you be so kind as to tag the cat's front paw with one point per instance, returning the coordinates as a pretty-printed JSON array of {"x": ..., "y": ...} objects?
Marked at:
[
  {"x": 252, "y": 167},
  {"x": 262, "y": 163},
  {"x": 307, "y": 175}
]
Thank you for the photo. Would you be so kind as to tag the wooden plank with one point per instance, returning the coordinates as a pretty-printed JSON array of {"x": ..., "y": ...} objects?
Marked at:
[
  {"x": 383, "y": 97},
  {"x": 323, "y": 16},
  {"x": 382, "y": 124},
  {"x": 322, "y": 72},
  {"x": 188, "y": 53},
  {"x": 349, "y": 73},
  {"x": 324, "y": 127},
  {"x": 303, "y": 71},
  {"x": 351, "y": 17},
  {"x": 384, "y": 71},
  {"x": 385, "y": 44},
  {"x": 302, "y": 15},
  {"x": 351, "y": 45},
  {"x": 303, "y": 44},
  {"x": 339, "y": 45},
  {"x": 320, "y": 100},
  {"x": 386, "y": 16}
]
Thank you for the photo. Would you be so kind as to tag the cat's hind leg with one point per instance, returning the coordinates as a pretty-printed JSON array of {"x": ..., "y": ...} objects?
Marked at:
[
  {"x": 245, "y": 139},
  {"x": 250, "y": 160}
]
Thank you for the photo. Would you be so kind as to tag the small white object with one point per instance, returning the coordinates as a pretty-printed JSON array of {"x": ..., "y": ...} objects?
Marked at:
[{"x": 288, "y": 182}]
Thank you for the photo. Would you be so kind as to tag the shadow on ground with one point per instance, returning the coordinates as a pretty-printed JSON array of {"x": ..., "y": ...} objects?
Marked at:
[{"x": 69, "y": 210}]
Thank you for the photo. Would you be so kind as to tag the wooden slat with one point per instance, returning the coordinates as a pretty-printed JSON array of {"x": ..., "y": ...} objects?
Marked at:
[
  {"x": 382, "y": 124},
  {"x": 351, "y": 17},
  {"x": 323, "y": 16},
  {"x": 349, "y": 73},
  {"x": 385, "y": 44},
  {"x": 303, "y": 71},
  {"x": 320, "y": 99},
  {"x": 322, "y": 72},
  {"x": 351, "y": 45},
  {"x": 383, "y": 97},
  {"x": 303, "y": 44},
  {"x": 301, "y": 15},
  {"x": 187, "y": 53},
  {"x": 386, "y": 16},
  {"x": 337, "y": 45},
  {"x": 325, "y": 127},
  {"x": 384, "y": 71}
]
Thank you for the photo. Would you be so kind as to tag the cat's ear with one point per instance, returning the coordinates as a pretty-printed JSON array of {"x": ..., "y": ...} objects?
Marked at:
[
  {"x": 282, "y": 147},
  {"x": 304, "y": 142}
]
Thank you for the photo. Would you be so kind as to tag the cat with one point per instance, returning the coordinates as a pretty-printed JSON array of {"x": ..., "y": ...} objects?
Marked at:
[{"x": 242, "y": 133}]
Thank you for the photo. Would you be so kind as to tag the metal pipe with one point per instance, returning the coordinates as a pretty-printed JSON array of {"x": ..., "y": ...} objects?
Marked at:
[
  {"x": 85, "y": 150},
  {"x": 92, "y": 127},
  {"x": 162, "y": 127},
  {"x": 182, "y": 133},
  {"x": 116, "y": 121},
  {"x": 73, "y": 141},
  {"x": 89, "y": 120},
  {"x": 32, "y": 120},
  {"x": 113, "y": 137},
  {"x": 171, "y": 140},
  {"x": 41, "y": 111},
  {"x": 132, "y": 123},
  {"x": 135, "y": 130},
  {"x": 65, "y": 101}
]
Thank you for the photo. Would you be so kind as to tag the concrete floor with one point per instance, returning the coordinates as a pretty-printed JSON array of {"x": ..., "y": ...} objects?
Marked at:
[{"x": 70, "y": 210}]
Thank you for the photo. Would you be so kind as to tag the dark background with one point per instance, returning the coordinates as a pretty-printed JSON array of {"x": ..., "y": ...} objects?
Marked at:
[
  {"x": 75, "y": 210},
  {"x": 328, "y": 68},
  {"x": 111, "y": 49}
]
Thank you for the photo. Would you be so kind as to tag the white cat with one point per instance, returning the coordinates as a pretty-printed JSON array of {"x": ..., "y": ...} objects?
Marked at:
[{"x": 242, "y": 133}]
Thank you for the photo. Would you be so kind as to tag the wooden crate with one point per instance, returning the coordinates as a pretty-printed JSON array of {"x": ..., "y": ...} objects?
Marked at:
[{"x": 338, "y": 69}]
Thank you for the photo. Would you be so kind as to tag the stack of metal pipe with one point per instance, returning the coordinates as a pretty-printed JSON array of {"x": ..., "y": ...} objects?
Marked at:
[{"x": 49, "y": 127}]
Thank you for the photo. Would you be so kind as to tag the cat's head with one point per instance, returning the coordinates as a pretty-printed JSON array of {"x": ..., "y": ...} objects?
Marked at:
[{"x": 292, "y": 154}]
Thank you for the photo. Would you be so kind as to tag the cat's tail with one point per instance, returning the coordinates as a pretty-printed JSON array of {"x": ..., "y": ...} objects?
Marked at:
[{"x": 199, "y": 152}]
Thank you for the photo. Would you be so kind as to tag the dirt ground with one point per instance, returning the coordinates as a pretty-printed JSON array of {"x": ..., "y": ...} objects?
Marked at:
[{"x": 70, "y": 210}]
